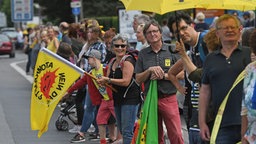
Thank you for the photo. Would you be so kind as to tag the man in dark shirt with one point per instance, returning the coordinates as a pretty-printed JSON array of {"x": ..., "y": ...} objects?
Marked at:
[
  {"x": 153, "y": 64},
  {"x": 220, "y": 70},
  {"x": 197, "y": 54}
]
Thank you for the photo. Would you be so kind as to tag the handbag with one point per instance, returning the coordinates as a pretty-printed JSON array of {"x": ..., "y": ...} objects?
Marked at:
[{"x": 27, "y": 50}]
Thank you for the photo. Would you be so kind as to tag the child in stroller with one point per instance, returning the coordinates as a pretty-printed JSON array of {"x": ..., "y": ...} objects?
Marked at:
[{"x": 67, "y": 109}]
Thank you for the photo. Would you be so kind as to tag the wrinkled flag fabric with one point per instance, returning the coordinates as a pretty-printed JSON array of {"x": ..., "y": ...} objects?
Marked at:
[
  {"x": 53, "y": 75},
  {"x": 148, "y": 131}
]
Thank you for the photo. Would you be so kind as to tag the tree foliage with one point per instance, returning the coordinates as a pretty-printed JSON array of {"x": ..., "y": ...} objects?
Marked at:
[
  {"x": 55, "y": 11},
  {"x": 6, "y": 8},
  {"x": 59, "y": 10},
  {"x": 96, "y": 8}
]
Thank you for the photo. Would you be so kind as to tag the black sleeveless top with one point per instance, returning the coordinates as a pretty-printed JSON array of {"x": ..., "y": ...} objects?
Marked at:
[{"x": 132, "y": 96}]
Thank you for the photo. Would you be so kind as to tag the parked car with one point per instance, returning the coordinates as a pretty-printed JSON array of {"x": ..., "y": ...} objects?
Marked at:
[
  {"x": 6, "y": 46},
  {"x": 11, "y": 33},
  {"x": 8, "y": 29}
]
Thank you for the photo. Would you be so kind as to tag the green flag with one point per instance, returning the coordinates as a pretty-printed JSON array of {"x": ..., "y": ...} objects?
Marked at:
[{"x": 148, "y": 131}]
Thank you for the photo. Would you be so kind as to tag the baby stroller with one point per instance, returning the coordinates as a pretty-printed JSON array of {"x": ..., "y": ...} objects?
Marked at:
[{"x": 67, "y": 109}]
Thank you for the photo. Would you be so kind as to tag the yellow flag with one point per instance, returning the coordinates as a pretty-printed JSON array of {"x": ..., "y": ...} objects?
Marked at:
[{"x": 52, "y": 77}]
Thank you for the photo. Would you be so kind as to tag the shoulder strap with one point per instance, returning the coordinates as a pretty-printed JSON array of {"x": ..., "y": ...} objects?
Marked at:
[
  {"x": 121, "y": 63},
  {"x": 110, "y": 64},
  {"x": 133, "y": 80},
  {"x": 218, "y": 118},
  {"x": 200, "y": 47}
]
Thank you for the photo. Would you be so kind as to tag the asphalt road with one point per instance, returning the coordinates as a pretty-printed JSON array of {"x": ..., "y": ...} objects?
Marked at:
[{"x": 15, "y": 88}]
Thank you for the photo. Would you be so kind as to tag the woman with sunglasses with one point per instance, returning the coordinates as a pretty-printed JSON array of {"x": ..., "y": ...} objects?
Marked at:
[{"x": 127, "y": 98}]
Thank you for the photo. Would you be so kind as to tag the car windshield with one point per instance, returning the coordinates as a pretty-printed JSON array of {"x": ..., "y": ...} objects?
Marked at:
[
  {"x": 4, "y": 38},
  {"x": 11, "y": 34},
  {"x": 8, "y": 29}
]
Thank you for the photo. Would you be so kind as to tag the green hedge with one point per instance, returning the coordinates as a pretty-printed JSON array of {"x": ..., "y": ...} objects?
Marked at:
[{"x": 108, "y": 22}]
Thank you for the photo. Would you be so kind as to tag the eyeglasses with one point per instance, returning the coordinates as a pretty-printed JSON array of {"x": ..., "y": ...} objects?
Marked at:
[
  {"x": 227, "y": 28},
  {"x": 183, "y": 28},
  {"x": 120, "y": 45},
  {"x": 153, "y": 31}
]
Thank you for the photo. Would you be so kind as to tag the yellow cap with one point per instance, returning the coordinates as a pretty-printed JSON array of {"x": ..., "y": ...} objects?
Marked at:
[{"x": 25, "y": 32}]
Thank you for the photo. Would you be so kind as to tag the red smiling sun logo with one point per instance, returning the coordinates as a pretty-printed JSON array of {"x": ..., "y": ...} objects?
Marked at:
[{"x": 47, "y": 81}]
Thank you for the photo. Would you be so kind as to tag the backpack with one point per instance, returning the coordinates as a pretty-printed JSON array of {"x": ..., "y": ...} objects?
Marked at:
[
  {"x": 201, "y": 51},
  {"x": 198, "y": 59},
  {"x": 131, "y": 53}
]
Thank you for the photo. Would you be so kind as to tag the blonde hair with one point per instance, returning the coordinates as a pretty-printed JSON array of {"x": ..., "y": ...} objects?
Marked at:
[
  {"x": 211, "y": 40},
  {"x": 226, "y": 17},
  {"x": 43, "y": 33}
]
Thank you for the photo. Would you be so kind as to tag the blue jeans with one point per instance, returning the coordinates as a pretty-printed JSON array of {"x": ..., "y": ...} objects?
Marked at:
[
  {"x": 229, "y": 135},
  {"x": 90, "y": 113},
  {"x": 126, "y": 116},
  {"x": 194, "y": 137}
]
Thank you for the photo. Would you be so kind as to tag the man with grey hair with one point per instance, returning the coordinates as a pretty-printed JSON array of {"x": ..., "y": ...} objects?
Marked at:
[
  {"x": 153, "y": 64},
  {"x": 137, "y": 20},
  {"x": 64, "y": 30}
]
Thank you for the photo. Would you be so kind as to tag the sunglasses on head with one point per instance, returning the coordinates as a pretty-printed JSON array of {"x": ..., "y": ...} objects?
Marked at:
[{"x": 120, "y": 45}]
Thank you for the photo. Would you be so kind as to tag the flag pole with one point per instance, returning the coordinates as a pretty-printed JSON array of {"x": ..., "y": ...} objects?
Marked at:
[
  {"x": 81, "y": 71},
  {"x": 93, "y": 77}
]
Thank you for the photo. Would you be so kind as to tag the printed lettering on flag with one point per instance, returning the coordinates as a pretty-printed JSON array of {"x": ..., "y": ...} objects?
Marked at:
[{"x": 52, "y": 78}]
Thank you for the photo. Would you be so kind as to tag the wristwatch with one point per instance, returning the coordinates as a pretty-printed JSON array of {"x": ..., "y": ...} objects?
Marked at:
[{"x": 109, "y": 80}]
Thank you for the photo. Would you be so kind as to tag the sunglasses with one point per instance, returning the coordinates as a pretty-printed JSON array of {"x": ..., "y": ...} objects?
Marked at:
[{"x": 120, "y": 45}]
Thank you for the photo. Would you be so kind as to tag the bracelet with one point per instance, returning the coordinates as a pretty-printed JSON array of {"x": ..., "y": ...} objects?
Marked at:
[{"x": 109, "y": 80}]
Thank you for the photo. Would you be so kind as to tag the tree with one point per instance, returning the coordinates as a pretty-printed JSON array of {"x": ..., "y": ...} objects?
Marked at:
[
  {"x": 6, "y": 8},
  {"x": 96, "y": 8},
  {"x": 56, "y": 11}
]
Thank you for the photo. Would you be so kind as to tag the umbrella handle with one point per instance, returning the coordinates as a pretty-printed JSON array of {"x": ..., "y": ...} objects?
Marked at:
[
  {"x": 178, "y": 35},
  {"x": 177, "y": 25}
]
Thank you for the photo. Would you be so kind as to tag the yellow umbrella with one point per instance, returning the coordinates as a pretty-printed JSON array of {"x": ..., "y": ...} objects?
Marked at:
[
  {"x": 159, "y": 6},
  {"x": 125, "y": 2},
  {"x": 31, "y": 25},
  {"x": 242, "y": 5}
]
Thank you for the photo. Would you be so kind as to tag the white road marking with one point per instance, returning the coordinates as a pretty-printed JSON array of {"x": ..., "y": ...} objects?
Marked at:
[{"x": 21, "y": 71}]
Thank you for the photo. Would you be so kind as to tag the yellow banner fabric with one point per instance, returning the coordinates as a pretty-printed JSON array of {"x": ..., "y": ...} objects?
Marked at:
[{"x": 52, "y": 78}]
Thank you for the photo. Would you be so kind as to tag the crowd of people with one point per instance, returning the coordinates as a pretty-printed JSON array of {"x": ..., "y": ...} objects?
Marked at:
[
  {"x": 227, "y": 58},
  {"x": 208, "y": 58}
]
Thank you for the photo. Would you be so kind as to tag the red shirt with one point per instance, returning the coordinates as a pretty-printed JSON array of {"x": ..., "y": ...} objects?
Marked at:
[{"x": 94, "y": 93}]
